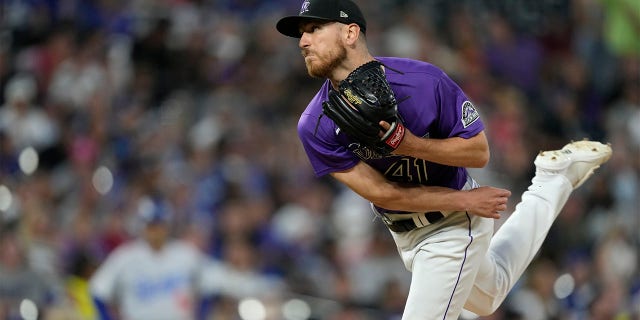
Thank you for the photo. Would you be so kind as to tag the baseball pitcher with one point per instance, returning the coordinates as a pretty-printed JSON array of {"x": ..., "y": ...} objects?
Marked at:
[{"x": 400, "y": 133}]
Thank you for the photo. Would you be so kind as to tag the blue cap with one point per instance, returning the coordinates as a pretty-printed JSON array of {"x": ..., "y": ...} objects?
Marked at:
[{"x": 153, "y": 211}]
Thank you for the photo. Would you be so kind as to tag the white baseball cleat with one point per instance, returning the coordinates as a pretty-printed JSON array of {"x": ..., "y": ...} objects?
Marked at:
[{"x": 576, "y": 161}]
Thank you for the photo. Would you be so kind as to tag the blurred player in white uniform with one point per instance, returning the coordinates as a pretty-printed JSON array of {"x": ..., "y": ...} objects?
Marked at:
[
  {"x": 160, "y": 278},
  {"x": 153, "y": 277}
]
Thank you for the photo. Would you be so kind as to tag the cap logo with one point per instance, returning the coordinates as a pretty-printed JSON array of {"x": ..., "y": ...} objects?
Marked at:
[
  {"x": 305, "y": 6},
  {"x": 343, "y": 14}
]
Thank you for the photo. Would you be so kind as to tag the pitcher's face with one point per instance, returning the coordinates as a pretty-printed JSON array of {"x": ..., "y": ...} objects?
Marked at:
[{"x": 321, "y": 47}]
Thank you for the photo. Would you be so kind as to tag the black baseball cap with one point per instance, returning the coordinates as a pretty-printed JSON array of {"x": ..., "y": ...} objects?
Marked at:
[{"x": 343, "y": 11}]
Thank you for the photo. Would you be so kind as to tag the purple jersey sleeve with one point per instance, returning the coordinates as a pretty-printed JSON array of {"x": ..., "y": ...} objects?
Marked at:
[
  {"x": 458, "y": 116},
  {"x": 431, "y": 104},
  {"x": 326, "y": 151}
]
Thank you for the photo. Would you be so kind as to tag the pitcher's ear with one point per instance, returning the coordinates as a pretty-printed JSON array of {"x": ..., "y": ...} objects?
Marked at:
[{"x": 353, "y": 33}]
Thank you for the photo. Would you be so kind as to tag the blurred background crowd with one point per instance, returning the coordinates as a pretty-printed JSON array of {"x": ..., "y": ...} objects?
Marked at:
[{"x": 194, "y": 104}]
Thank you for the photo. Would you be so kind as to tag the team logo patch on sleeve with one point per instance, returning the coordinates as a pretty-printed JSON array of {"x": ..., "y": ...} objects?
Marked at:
[{"x": 469, "y": 114}]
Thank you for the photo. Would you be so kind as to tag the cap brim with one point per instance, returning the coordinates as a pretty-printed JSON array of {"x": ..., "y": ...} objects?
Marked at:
[{"x": 290, "y": 26}]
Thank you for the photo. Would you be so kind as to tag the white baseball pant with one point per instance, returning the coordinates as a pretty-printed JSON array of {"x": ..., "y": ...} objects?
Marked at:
[{"x": 457, "y": 263}]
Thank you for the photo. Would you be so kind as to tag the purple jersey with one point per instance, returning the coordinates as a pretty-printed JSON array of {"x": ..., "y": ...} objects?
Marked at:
[{"x": 430, "y": 104}]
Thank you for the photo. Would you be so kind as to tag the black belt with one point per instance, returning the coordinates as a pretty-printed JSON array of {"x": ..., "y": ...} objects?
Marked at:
[{"x": 406, "y": 225}]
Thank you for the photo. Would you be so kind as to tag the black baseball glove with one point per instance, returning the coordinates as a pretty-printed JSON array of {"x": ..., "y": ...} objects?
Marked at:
[{"x": 362, "y": 100}]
